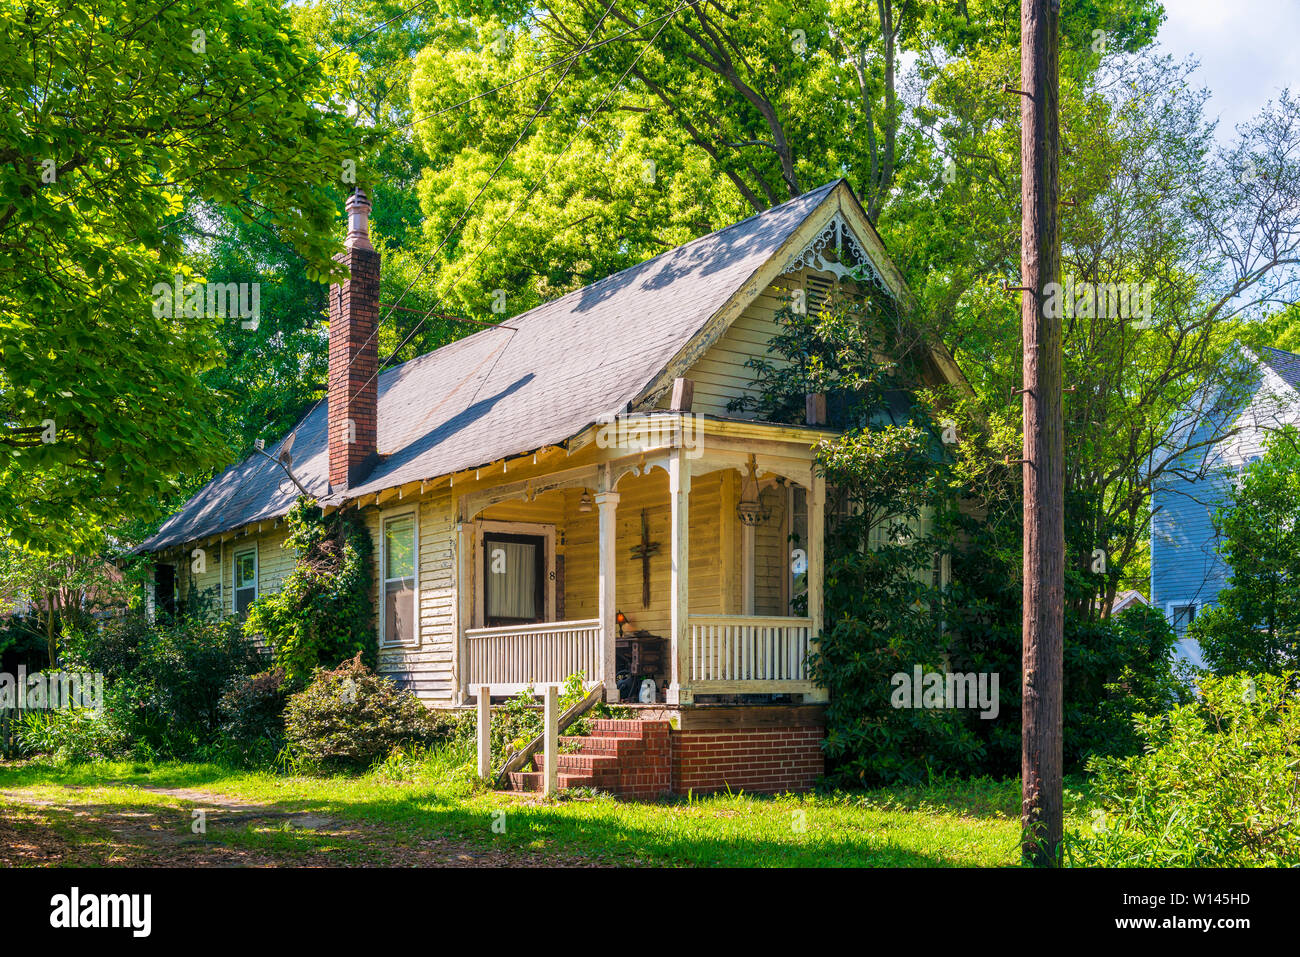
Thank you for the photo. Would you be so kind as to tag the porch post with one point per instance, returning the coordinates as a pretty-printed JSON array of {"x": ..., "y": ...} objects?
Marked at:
[
  {"x": 607, "y": 504},
  {"x": 679, "y": 496},
  {"x": 816, "y": 565}
]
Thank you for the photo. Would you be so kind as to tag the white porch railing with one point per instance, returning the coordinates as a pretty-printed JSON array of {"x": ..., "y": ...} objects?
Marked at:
[
  {"x": 512, "y": 657},
  {"x": 745, "y": 653}
]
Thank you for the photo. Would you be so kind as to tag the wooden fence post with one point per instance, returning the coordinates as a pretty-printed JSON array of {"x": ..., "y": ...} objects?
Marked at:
[
  {"x": 552, "y": 743},
  {"x": 485, "y": 732}
]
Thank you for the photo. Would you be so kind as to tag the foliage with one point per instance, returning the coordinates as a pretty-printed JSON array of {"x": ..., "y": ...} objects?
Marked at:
[
  {"x": 99, "y": 396},
  {"x": 1216, "y": 786},
  {"x": 252, "y": 717},
  {"x": 323, "y": 613},
  {"x": 348, "y": 717},
  {"x": 69, "y": 735},
  {"x": 1112, "y": 668},
  {"x": 64, "y": 590},
  {"x": 1255, "y": 626},
  {"x": 519, "y": 720},
  {"x": 164, "y": 681}
]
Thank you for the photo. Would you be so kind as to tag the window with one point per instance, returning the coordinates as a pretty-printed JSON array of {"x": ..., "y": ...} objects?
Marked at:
[
  {"x": 1181, "y": 616},
  {"x": 514, "y": 572},
  {"x": 245, "y": 576},
  {"x": 399, "y": 606}
]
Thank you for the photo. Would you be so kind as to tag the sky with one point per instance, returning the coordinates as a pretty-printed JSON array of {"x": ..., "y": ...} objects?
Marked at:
[{"x": 1248, "y": 50}]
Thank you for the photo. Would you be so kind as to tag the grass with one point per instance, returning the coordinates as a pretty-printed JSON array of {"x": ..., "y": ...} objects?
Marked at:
[{"x": 426, "y": 809}]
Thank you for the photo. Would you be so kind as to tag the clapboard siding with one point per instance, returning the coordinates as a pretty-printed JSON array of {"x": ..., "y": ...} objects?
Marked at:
[
  {"x": 1186, "y": 567},
  {"x": 426, "y": 667}
]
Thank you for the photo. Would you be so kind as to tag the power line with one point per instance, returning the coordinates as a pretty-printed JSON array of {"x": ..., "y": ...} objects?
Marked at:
[
  {"x": 455, "y": 226},
  {"x": 543, "y": 178}
]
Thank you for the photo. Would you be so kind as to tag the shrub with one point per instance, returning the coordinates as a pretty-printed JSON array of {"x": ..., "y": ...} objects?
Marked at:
[
  {"x": 164, "y": 681},
  {"x": 349, "y": 718},
  {"x": 71, "y": 735},
  {"x": 252, "y": 717},
  {"x": 1218, "y": 784}
]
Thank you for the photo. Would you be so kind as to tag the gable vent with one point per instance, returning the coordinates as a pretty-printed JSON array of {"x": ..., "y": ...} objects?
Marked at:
[{"x": 817, "y": 290}]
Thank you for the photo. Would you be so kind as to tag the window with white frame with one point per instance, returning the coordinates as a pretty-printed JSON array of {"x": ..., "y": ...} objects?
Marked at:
[
  {"x": 244, "y": 580},
  {"x": 1181, "y": 616},
  {"x": 398, "y": 605}
]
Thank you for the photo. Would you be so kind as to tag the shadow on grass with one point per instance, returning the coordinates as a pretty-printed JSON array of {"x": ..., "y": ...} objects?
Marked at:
[{"x": 951, "y": 824}]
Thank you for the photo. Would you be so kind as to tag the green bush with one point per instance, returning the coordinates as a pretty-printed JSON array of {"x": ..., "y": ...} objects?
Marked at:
[
  {"x": 349, "y": 718},
  {"x": 1217, "y": 786},
  {"x": 71, "y": 735},
  {"x": 252, "y": 717},
  {"x": 164, "y": 680}
]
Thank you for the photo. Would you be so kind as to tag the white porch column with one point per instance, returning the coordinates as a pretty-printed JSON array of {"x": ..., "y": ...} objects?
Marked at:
[
  {"x": 816, "y": 563},
  {"x": 607, "y": 504},
  {"x": 747, "y": 570},
  {"x": 679, "y": 497}
]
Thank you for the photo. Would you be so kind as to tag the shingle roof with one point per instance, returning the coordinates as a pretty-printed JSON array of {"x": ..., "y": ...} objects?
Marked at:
[
  {"x": 1285, "y": 364},
  {"x": 507, "y": 391}
]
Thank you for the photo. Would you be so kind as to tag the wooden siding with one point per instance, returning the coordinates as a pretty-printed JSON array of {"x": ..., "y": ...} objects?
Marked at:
[{"x": 426, "y": 667}]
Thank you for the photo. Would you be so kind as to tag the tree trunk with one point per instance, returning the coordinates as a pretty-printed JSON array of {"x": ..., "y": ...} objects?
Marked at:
[{"x": 1044, "y": 440}]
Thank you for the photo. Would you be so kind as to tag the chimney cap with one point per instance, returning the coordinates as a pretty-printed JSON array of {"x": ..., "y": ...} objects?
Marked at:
[{"x": 358, "y": 207}]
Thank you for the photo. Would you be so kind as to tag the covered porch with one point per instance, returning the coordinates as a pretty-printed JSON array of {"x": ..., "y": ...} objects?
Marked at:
[{"x": 689, "y": 555}]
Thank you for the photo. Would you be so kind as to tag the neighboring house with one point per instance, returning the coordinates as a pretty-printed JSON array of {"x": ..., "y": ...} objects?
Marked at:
[
  {"x": 1125, "y": 600},
  {"x": 1224, "y": 431},
  {"x": 530, "y": 482}
]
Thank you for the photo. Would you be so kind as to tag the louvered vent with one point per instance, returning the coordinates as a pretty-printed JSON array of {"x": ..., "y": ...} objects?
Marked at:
[{"x": 818, "y": 292}]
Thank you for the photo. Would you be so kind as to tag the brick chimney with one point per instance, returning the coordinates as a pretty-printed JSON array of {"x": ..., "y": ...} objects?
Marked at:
[{"x": 354, "y": 354}]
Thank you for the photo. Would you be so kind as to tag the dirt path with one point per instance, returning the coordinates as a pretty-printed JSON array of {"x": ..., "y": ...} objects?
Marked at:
[{"x": 200, "y": 828}]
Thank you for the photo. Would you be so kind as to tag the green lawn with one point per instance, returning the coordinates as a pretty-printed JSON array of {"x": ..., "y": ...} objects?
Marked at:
[{"x": 429, "y": 813}]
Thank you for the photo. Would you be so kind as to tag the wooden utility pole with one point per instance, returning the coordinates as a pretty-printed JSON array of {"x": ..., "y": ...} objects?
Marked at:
[{"x": 1044, "y": 441}]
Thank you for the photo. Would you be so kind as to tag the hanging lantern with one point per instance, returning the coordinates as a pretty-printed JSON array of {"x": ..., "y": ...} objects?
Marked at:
[
  {"x": 750, "y": 509},
  {"x": 586, "y": 503}
]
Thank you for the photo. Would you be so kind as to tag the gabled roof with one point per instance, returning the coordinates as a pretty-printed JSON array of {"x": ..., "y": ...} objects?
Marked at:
[
  {"x": 535, "y": 380},
  {"x": 1285, "y": 364}
]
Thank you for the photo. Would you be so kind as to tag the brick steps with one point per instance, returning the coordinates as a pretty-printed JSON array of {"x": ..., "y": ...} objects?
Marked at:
[{"x": 627, "y": 758}]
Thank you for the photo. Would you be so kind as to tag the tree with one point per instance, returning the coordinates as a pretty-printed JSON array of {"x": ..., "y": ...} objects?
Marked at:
[
  {"x": 1255, "y": 626},
  {"x": 121, "y": 115},
  {"x": 729, "y": 111}
]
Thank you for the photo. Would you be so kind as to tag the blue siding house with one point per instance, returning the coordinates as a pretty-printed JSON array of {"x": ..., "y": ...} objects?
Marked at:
[{"x": 1225, "y": 429}]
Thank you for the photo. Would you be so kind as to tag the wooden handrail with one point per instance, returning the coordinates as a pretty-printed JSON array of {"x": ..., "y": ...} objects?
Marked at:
[{"x": 521, "y": 757}]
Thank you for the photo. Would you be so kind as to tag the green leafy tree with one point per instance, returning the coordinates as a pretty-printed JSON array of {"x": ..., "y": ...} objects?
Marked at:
[
  {"x": 1255, "y": 626},
  {"x": 120, "y": 115}
]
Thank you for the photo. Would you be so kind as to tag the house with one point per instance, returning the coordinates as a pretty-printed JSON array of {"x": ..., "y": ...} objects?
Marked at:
[
  {"x": 568, "y": 492},
  {"x": 1125, "y": 600},
  {"x": 1225, "y": 428}
]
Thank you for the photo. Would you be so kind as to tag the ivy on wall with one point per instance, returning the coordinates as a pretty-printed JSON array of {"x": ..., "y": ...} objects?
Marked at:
[{"x": 323, "y": 614}]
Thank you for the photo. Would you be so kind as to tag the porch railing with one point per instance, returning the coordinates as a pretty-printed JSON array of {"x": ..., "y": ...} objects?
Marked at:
[
  {"x": 745, "y": 653},
  {"x": 512, "y": 657}
]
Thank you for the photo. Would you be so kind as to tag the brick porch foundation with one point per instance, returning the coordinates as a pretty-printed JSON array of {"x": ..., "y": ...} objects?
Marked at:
[{"x": 756, "y": 750}]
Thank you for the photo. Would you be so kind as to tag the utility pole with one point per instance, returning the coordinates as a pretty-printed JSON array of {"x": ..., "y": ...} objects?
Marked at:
[{"x": 1043, "y": 469}]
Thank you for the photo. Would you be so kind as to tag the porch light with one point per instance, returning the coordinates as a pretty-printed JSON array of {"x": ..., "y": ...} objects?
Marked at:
[
  {"x": 750, "y": 509},
  {"x": 621, "y": 619},
  {"x": 586, "y": 503}
]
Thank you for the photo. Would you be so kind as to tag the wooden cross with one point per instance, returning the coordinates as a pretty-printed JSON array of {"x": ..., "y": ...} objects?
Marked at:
[{"x": 643, "y": 552}]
